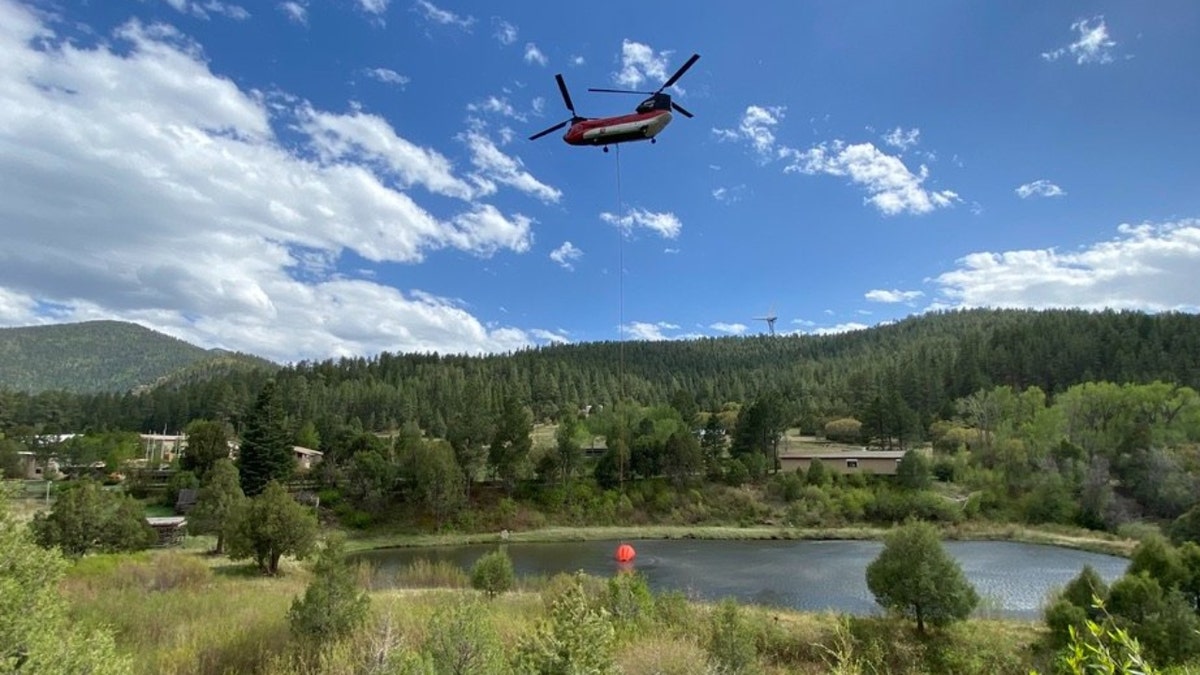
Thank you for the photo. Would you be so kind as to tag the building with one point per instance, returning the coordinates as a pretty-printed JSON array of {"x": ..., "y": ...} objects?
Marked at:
[
  {"x": 32, "y": 470},
  {"x": 882, "y": 462},
  {"x": 306, "y": 457},
  {"x": 170, "y": 529},
  {"x": 162, "y": 448}
]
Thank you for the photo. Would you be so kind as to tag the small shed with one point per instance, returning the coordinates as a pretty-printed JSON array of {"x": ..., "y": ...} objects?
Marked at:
[
  {"x": 186, "y": 500},
  {"x": 170, "y": 529}
]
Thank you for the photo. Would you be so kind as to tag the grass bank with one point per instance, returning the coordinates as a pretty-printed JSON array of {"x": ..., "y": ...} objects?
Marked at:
[{"x": 1068, "y": 538}]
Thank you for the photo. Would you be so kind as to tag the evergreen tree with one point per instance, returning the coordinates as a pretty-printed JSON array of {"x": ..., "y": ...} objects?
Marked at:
[
  {"x": 512, "y": 442},
  {"x": 216, "y": 503},
  {"x": 86, "y": 518},
  {"x": 270, "y": 526},
  {"x": 266, "y": 450},
  {"x": 333, "y": 605},
  {"x": 914, "y": 576}
]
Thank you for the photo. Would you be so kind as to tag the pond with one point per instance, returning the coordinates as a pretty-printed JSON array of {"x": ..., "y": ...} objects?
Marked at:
[{"x": 1013, "y": 579}]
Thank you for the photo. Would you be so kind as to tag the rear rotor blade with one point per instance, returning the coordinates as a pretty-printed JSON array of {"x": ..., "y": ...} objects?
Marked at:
[
  {"x": 556, "y": 127},
  {"x": 679, "y": 73},
  {"x": 680, "y": 109},
  {"x": 562, "y": 86},
  {"x": 623, "y": 91}
]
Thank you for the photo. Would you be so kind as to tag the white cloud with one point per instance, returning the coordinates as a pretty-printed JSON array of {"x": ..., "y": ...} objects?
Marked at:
[
  {"x": 577, "y": 61},
  {"x": 756, "y": 127},
  {"x": 534, "y": 55},
  {"x": 1039, "y": 188},
  {"x": 496, "y": 167},
  {"x": 202, "y": 10},
  {"x": 387, "y": 76},
  {"x": 894, "y": 295},
  {"x": 498, "y": 105},
  {"x": 666, "y": 224},
  {"x": 297, "y": 12},
  {"x": 436, "y": 14},
  {"x": 157, "y": 192},
  {"x": 566, "y": 254},
  {"x": 506, "y": 33},
  {"x": 730, "y": 328},
  {"x": 902, "y": 140},
  {"x": 1148, "y": 267},
  {"x": 847, "y": 327},
  {"x": 551, "y": 337},
  {"x": 729, "y": 195},
  {"x": 640, "y": 63},
  {"x": 1093, "y": 46},
  {"x": 374, "y": 6},
  {"x": 892, "y": 187},
  {"x": 639, "y": 330}
]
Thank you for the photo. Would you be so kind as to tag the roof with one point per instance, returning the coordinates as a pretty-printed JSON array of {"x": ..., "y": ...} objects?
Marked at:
[
  {"x": 301, "y": 450},
  {"x": 166, "y": 521},
  {"x": 862, "y": 454}
]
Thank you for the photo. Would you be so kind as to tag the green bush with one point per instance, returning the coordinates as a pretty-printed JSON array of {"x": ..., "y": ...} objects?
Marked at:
[
  {"x": 493, "y": 573},
  {"x": 628, "y": 599},
  {"x": 461, "y": 639},
  {"x": 730, "y": 641},
  {"x": 577, "y": 638},
  {"x": 333, "y": 605}
]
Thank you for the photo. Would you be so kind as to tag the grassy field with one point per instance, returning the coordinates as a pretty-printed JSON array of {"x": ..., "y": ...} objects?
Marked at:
[{"x": 183, "y": 613}]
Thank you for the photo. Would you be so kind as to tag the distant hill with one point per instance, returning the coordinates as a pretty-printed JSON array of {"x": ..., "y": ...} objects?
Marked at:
[{"x": 107, "y": 356}]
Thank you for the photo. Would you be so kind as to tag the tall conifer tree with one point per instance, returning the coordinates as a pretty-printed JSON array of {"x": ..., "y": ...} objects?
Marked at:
[{"x": 266, "y": 451}]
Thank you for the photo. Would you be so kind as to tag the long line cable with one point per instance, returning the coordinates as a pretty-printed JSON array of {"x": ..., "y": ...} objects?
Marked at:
[{"x": 620, "y": 277}]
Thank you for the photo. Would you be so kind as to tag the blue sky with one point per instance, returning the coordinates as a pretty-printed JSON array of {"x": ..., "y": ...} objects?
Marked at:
[{"x": 305, "y": 180}]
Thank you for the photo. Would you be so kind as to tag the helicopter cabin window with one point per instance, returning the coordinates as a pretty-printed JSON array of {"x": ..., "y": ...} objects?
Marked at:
[{"x": 852, "y": 464}]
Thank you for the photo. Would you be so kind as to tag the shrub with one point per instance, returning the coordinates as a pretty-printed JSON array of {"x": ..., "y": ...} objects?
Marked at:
[
  {"x": 844, "y": 430},
  {"x": 577, "y": 638},
  {"x": 628, "y": 598},
  {"x": 730, "y": 640},
  {"x": 462, "y": 640},
  {"x": 333, "y": 605},
  {"x": 493, "y": 573}
]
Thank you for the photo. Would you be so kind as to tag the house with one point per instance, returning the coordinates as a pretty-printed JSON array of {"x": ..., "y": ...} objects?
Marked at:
[
  {"x": 32, "y": 470},
  {"x": 162, "y": 448},
  {"x": 170, "y": 529},
  {"x": 306, "y": 457},
  {"x": 882, "y": 462}
]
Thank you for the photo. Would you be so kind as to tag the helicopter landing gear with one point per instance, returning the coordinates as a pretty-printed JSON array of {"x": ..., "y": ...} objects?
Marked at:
[
  {"x": 606, "y": 148},
  {"x": 653, "y": 141}
]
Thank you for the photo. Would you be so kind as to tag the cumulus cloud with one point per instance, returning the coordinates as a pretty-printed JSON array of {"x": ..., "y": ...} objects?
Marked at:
[
  {"x": 553, "y": 337},
  {"x": 436, "y": 14},
  {"x": 902, "y": 139},
  {"x": 836, "y": 329},
  {"x": 640, "y": 63},
  {"x": 204, "y": 10},
  {"x": 892, "y": 296},
  {"x": 665, "y": 224},
  {"x": 387, "y": 76},
  {"x": 1093, "y": 46},
  {"x": 498, "y": 105},
  {"x": 297, "y": 12},
  {"x": 730, "y": 328},
  {"x": 377, "y": 7},
  {"x": 534, "y": 55},
  {"x": 566, "y": 254},
  {"x": 506, "y": 33},
  {"x": 640, "y": 330},
  {"x": 757, "y": 127},
  {"x": 493, "y": 166},
  {"x": 1148, "y": 267},
  {"x": 891, "y": 186},
  {"x": 136, "y": 184},
  {"x": 577, "y": 61},
  {"x": 1039, "y": 188}
]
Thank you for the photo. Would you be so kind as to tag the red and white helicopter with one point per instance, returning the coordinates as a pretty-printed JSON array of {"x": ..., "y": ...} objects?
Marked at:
[{"x": 652, "y": 116}]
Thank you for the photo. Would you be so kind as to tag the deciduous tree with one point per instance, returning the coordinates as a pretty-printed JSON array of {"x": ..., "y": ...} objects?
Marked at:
[{"x": 207, "y": 442}]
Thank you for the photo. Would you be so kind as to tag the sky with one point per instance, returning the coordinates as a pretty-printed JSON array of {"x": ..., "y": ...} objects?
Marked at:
[{"x": 313, "y": 179}]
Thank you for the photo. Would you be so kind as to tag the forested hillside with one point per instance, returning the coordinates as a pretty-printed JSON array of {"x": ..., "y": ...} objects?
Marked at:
[
  {"x": 929, "y": 361},
  {"x": 105, "y": 356}
]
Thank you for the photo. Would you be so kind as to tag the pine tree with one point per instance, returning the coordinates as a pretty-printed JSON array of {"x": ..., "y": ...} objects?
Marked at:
[
  {"x": 266, "y": 450},
  {"x": 216, "y": 503}
]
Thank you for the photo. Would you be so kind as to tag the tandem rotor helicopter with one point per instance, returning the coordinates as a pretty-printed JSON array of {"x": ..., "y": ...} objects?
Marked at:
[{"x": 651, "y": 117}]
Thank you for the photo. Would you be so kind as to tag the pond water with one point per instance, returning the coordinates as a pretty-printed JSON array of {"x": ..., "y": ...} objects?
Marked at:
[{"x": 1013, "y": 579}]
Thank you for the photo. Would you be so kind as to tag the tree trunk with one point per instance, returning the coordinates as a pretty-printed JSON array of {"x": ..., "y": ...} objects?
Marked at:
[
  {"x": 273, "y": 566},
  {"x": 220, "y": 543},
  {"x": 920, "y": 620}
]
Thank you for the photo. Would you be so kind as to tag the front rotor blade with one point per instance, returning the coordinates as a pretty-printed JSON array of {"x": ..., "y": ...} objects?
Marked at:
[
  {"x": 556, "y": 127},
  {"x": 679, "y": 73},
  {"x": 562, "y": 86},
  {"x": 622, "y": 91},
  {"x": 679, "y": 108}
]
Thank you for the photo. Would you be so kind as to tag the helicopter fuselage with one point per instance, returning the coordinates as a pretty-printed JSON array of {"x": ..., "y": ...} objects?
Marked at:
[{"x": 640, "y": 126}]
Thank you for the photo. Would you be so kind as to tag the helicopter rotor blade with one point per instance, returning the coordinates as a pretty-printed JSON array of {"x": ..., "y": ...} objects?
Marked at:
[
  {"x": 680, "y": 109},
  {"x": 679, "y": 73},
  {"x": 562, "y": 86},
  {"x": 554, "y": 128},
  {"x": 622, "y": 91}
]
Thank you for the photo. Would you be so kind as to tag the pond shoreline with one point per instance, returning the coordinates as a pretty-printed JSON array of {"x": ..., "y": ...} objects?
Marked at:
[{"x": 1084, "y": 541}]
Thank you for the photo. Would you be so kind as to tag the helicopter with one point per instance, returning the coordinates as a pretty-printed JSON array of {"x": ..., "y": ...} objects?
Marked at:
[{"x": 649, "y": 119}]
